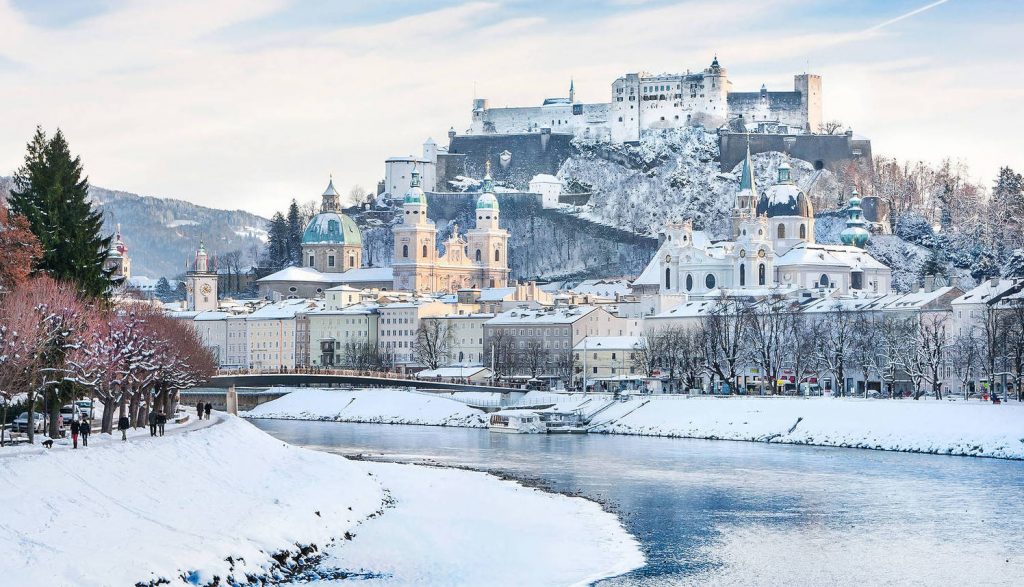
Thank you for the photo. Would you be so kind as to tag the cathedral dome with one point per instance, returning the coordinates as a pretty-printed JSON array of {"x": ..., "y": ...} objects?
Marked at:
[
  {"x": 487, "y": 201},
  {"x": 784, "y": 198},
  {"x": 331, "y": 228}
]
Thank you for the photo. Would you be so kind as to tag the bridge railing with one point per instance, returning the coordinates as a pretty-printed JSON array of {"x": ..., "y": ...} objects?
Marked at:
[{"x": 357, "y": 373}]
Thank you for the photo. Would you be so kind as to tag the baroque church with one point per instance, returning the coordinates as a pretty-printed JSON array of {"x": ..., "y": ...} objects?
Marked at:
[
  {"x": 772, "y": 247},
  {"x": 478, "y": 259}
]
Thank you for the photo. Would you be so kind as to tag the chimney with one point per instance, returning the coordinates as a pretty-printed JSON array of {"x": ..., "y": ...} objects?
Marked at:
[
  {"x": 994, "y": 282},
  {"x": 929, "y": 283},
  {"x": 916, "y": 287},
  {"x": 952, "y": 281}
]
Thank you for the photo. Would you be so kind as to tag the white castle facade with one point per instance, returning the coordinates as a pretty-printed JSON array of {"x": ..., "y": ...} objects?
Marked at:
[{"x": 642, "y": 101}]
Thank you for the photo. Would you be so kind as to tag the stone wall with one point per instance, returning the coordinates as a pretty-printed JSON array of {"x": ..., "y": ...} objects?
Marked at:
[
  {"x": 529, "y": 154},
  {"x": 820, "y": 150}
]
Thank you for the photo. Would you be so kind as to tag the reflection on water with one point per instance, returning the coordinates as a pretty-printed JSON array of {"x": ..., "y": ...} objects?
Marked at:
[{"x": 735, "y": 512}]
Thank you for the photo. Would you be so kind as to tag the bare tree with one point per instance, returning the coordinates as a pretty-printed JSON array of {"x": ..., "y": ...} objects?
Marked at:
[
  {"x": 933, "y": 340},
  {"x": 433, "y": 343},
  {"x": 864, "y": 350},
  {"x": 764, "y": 323},
  {"x": 502, "y": 353},
  {"x": 992, "y": 333},
  {"x": 232, "y": 261},
  {"x": 533, "y": 357},
  {"x": 357, "y": 195},
  {"x": 1013, "y": 328},
  {"x": 831, "y": 127},
  {"x": 722, "y": 338},
  {"x": 648, "y": 353},
  {"x": 834, "y": 337},
  {"x": 799, "y": 346},
  {"x": 967, "y": 353}
]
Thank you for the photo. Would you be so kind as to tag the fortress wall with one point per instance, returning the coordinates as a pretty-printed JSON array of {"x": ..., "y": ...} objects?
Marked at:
[
  {"x": 823, "y": 150},
  {"x": 531, "y": 154}
]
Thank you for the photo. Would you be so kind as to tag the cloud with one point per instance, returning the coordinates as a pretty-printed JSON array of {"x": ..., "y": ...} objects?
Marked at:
[{"x": 184, "y": 100}]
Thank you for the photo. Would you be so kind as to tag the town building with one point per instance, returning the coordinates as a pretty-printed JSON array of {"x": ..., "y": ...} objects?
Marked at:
[
  {"x": 201, "y": 284},
  {"x": 271, "y": 334},
  {"x": 118, "y": 263},
  {"x": 342, "y": 337}
]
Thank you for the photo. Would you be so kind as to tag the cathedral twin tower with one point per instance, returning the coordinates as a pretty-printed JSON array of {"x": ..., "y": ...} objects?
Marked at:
[{"x": 477, "y": 261}]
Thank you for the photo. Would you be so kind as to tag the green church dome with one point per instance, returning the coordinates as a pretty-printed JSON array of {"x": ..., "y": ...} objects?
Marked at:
[{"x": 332, "y": 228}]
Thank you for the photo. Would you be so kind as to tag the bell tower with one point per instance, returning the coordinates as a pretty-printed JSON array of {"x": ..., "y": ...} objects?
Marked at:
[
  {"x": 201, "y": 284},
  {"x": 415, "y": 254},
  {"x": 487, "y": 244}
]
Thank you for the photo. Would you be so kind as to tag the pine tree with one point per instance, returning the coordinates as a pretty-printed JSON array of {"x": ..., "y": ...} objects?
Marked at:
[
  {"x": 294, "y": 234},
  {"x": 52, "y": 193},
  {"x": 163, "y": 290},
  {"x": 277, "y": 241}
]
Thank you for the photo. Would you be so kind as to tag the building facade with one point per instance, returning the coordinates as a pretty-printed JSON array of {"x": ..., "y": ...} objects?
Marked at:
[
  {"x": 479, "y": 259},
  {"x": 642, "y": 101},
  {"x": 201, "y": 284}
]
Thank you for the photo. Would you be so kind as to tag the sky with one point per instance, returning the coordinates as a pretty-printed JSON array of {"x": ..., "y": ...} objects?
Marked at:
[{"x": 250, "y": 103}]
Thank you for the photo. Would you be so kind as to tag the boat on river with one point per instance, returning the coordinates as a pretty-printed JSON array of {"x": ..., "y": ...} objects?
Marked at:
[
  {"x": 563, "y": 422},
  {"x": 517, "y": 422}
]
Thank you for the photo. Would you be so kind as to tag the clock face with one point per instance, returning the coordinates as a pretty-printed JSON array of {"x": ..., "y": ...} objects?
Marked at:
[
  {"x": 743, "y": 253},
  {"x": 760, "y": 253},
  {"x": 206, "y": 289},
  {"x": 668, "y": 258}
]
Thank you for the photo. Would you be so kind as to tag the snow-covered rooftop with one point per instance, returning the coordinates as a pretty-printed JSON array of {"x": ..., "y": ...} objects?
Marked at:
[
  {"x": 597, "y": 343},
  {"x": 542, "y": 316}
]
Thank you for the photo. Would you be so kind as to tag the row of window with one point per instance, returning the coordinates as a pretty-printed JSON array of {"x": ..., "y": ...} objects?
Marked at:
[
  {"x": 405, "y": 252},
  {"x": 331, "y": 263}
]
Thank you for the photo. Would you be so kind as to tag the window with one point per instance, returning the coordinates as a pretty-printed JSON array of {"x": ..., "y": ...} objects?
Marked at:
[
  {"x": 782, "y": 231},
  {"x": 803, "y": 231},
  {"x": 668, "y": 278},
  {"x": 311, "y": 260},
  {"x": 689, "y": 282},
  {"x": 743, "y": 275},
  {"x": 405, "y": 251},
  {"x": 478, "y": 255},
  {"x": 351, "y": 260},
  {"x": 760, "y": 274},
  {"x": 709, "y": 281},
  {"x": 424, "y": 251},
  {"x": 330, "y": 260},
  {"x": 613, "y": 356},
  {"x": 823, "y": 280},
  {"x": 497, "y": 254}
]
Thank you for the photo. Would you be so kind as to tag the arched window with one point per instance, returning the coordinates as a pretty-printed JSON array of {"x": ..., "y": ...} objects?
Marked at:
[
  {"x": 689, "y": 282},
  {"x": 668, "y": 278},
  {"x": 497, "y": 254},
  {"x": 424, "y": 251},
  {"x": 760, "y": 274},
  {"x": 709, "y": 281},
  {"x": 823, "y": 280},
  {"x": 461, "y": 356},
  {"x": 743, "y": 275},
  {"x": 405, "y": 251},
  {"x": 803, "y": 231},
  {"x": 478, "y": 254},
  {"x": 782, "y": 231},
  {"x": 351, "y": 260}
]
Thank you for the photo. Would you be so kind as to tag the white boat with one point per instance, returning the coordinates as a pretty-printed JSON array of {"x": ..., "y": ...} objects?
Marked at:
[
  {"x": 516, "y": 422},
  {"x": 563, "y": 422}
]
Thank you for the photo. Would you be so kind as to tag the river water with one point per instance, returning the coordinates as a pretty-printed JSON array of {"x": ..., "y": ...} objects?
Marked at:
[{"x": 738, "y": 513}]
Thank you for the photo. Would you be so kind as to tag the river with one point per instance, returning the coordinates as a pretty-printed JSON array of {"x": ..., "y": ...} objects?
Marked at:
[{"x": 738, "y": 513}]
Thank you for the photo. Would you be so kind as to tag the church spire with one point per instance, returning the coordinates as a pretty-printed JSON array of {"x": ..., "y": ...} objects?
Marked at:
[
  {"x": 572, "y": 91},
  {"x": 488, "y": 184}
]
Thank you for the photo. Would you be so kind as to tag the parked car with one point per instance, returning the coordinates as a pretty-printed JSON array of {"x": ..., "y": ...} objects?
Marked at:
[
  {"x": 92, "y": 410},
  {"x": 21, "y": 423}
]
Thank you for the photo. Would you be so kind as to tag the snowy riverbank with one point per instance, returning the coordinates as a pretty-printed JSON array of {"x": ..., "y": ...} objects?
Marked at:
[
  {"x": 223, "y": 500},
  {"x": 938, "y": 427},
  {"x": 373, "y": 406}
]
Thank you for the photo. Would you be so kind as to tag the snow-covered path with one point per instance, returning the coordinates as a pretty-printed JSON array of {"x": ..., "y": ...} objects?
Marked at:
[{"x": 456, "y": 527}]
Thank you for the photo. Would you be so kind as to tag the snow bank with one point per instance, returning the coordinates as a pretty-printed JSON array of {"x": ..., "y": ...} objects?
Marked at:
[
  {"x": 379, "y": 406},
  {"x": 929, "y": 426},
  {"x": 455, "y": 527},
  {"x": 173, "y": 508}
]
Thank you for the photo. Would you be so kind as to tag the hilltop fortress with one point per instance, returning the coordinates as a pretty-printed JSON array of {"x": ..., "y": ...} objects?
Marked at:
[{"x": 641, "y": 101}]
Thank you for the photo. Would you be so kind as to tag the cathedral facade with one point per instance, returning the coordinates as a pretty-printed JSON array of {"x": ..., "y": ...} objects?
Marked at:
[
  {"x": 477, "y": 259},
  {"x": 772, "y": 248}
]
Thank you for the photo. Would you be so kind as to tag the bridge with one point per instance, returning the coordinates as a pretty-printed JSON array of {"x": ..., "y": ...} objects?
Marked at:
[{"x": 343, "y": 378}]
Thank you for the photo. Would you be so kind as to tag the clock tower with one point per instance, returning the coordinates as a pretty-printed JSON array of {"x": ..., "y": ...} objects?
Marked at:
[{"x": 201, "y": 284}]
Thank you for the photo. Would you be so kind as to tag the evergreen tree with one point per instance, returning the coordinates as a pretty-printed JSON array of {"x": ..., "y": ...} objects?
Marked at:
[
  {"x": 294, "y": 234},
  {"x": 52, "y": 193},
  {"x": 163, "y": 290},
  {"x": 935, "y": 264},
  {"x": 277, "y": 241}
]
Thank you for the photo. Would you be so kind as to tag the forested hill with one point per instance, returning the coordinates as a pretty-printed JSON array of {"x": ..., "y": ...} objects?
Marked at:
[{"x": 162, "y": 233}]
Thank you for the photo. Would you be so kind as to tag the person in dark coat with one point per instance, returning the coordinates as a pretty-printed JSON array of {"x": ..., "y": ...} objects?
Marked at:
[
  {"x": 85, "y": 428},
  {"x": 123, "y": 423},
  {"x": 207, "y": 408},
  {"x": 161, "y": 420},
  {"x": 199, "y": 410},
  {"x": 75, "y": 427},
  {"x": 152, "y": 422}
]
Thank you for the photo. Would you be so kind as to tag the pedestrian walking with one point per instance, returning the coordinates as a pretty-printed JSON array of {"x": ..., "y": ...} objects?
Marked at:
[
  {"x": 161, "y": 420},
  {"x": 75, "y": 427},
  {"x": 152, "y": 422},
  {"x": 199, "y": 410},
  {"x": 208, "y": 408},
  {"x": 85, "y": 428},
  {"x": 123, "y": 423}
]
